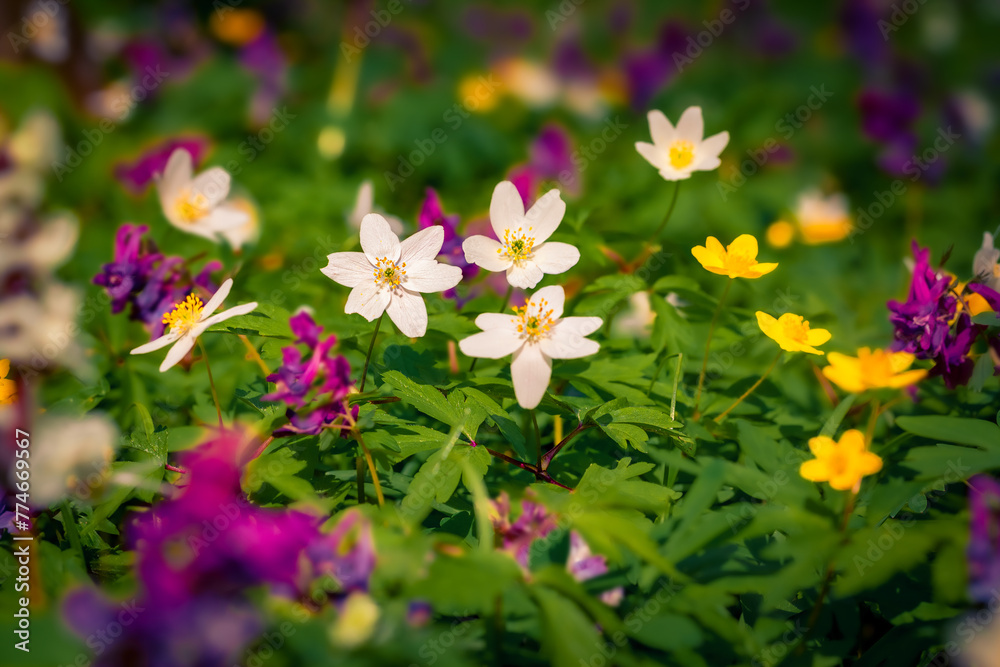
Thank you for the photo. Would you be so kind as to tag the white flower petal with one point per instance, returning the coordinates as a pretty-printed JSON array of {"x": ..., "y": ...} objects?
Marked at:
[
  {"x": 363, "y": 204},
  {"x": 427, "y": 275},
  {"x": 654, "y": 156},
  {"x": 408, "y": 312},
  {"x": 553, "y": 257},
  {"x": 506, "y": 208},
  {"x": 554, "y": 297},
  {"x": 425, "y": 244},
  {"x": 531, "y": 371},
  {"x": 349, "y": 269},
  {"x": 563, "y": 345},
  {"x": 212, "y": 184},
  {"x": 367, "y": 300},
  {"x": 175, "y": 175},
  {"x": 157, "y": 344},
  {"x": 544, "y": 217},
  {"x": 178, "y": 352},
  {"x": 660, "y": 128},
  {"x": 713, "y": 145},
  {"x": 488, "y": 321},
  {"x": 235, "y": 311},
  {"x": 580, "y": 326},
  {"x": 377, "y": 239},
  {"x": 224, "y": 217},
  {"x": 216, "y": 300},
  {"x": 691, "y": 126},
  {"x": 491, "y": 344},
  {"x": 524, "y": 275},
  {"x": 485, "y": 252}
]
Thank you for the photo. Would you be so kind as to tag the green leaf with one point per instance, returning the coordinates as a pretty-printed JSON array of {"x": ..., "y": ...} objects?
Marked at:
[
  {"x": 267, "y": 320},
  {"x": 569, "y": 637},
  {"x": 424, "y": 398},
  {"x": 272, "y": 468},
  {"x": 959, "y": 430},
  {"x": 469, "y": 584}
]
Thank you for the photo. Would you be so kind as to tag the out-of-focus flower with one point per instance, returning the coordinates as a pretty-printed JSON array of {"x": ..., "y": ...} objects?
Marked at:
[
  {"x": 792, "y": 333},
  {"x": 364, "y": 204},
  {"x": 737, "y": 260},
  {"x": 983, "y": 552},
  {"x": 36, "y": 245},
  {"x": 197, "y": 204},
  {"x": 986, "y": 264},
  {"x": 535, "y": 335},
  {"x": 138, "y": 174},
  {"x": 822, "y": 219},
  {"x": 8, "y": 387},
  {"x": 780, "y": 234},
  {"x": 188, "y": 320},
  {"x": 356, "y": 621},
  {"x": 584, "y": 565},
  {"x": 876, "y": 369},
  {"x": 68, "y": 451},
  {"x": 36, "y": 329},
  {"x": 432, "y": 214},
  {"x": 237, "y": 26},
  {"x": 678, "y": 152},
  {"x": 264, "y": 58},
  {"x": 638, "y": 319},
  {"x": 249, "y": 232},
  {"x": 531, "y": 82},
  {"x": 842, "y": 463},
  {"x": 389, "y": 276},
  {"x": 418, "y": 613},
  {"x": 523, "y": 251},
  {"x": 550, "y": 159}
]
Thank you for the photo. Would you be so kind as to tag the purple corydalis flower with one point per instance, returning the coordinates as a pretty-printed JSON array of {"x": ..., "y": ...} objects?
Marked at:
[
  {"x": 131, "y": 267},
  {"x": 888, "y": 116},
  {"x": 923, "y": 322},
  {"x": 264, "y": 58},
  {"x": 431, "y": 214},
  {"x": 550, "y": 159},
  {"x": 138, "y": 174},
  {"x": 983, "y": 552}
]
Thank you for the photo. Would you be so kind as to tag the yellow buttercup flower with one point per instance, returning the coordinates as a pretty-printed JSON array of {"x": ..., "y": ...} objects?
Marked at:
[
  {"x": 8, "y": 388},
  {"x": 737, "y": 260},
  {"x": 843, "y": 463},
  {"x": 877, "y": 369},
  {"x": 792, "y": 333},
  {"x": 780, "y": 234}
]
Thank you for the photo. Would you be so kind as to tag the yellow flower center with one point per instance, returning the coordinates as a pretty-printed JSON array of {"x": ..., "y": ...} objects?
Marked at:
[
  {"x": 534, "y": 320},
  {"x": 681, "y": 154},
  {"x": 388, "y": 274},
  {"x": 184, "y": 315},
  {"x": 191, "y": 207},
  {"x": 517, "y": 245},
  {"x": 738, "y": 262},
  {"x": 794, "y": 328}
]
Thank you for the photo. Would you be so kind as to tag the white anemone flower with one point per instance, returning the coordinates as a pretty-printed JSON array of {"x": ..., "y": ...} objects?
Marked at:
[
  {"x": 678, "y": 151},
  {"x": 197, "y": 204},
  {"x": 364, "y": 204},
  {"x": 986, "y": 264},
  {"x": 523, "y": 250},
  {"x": 70, "y": 456},
  {"x": 536, "y": 334},
  {"x": 389, "y": 276},
  {"x": 188, "y": 320}
]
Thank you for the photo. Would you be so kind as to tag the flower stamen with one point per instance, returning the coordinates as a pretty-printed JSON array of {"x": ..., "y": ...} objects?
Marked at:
[
  {"x": 517, "y": 245},
  {"x": 681, "y": 154},
  {"x": 534, "y": 320},
  {"x": 388, "y": 273},
  {"x": 184, "y": 315},
  {"x": 191, "y": 207}
]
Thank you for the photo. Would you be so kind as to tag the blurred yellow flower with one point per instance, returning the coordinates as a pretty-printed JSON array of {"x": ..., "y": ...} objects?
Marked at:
[
  {"x": 236, "y": 26},
  {"x": 792, "y": 333},
  {"x": 877, "y": 369},
  {"x": 843, "y": 463},
  {"x": 823, "y": 219},
  {"x": 780, "y": 234},
  {"x": 8, "y": 388},
  {"x": 737, "y": 260},
  {"x": 478, "y": 93},
  {"x": 356, "y": 621}
]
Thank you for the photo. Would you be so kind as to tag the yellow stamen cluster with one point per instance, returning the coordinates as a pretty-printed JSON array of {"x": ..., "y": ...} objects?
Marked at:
[
  {"x": 534, "y": 321},
  {"x": 681, "y": 154},
  {"x": 184, "y": 315},
  {"x": 191, "y": 207},
  {"x": 517, "y": 245},
  {"x": 388, "y": 273}
]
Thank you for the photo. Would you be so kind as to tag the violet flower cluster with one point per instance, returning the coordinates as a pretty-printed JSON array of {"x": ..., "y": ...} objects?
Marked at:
[
  {"x": 319, "y": 381},
  {"x": 932, "y": 324},
  {"x": 146, "y": 281},
  {"x": 983, "y": 552},
  {"x": 197, "y": 556}
]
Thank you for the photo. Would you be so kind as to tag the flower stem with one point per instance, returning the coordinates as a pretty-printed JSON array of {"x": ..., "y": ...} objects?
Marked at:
[
  {"x": 708, "y": 348},
  {"x": 506, "y": 301},
  {"x": 371, "y": 468},
  {"x": 368, "y": 357},
  {"x": 670, "y": 212},
  {"x": 359, "y": 474},
  {"x": 551, "y": 454},
  {"x": 253, "y": 354},
  {"x": 538, "y": 439},
  {"x": 74, "y": 537},
  {"x": 872, "y": 420},
  {"x": 211, "y": 381},
  {"x": 750, "y": 390}
]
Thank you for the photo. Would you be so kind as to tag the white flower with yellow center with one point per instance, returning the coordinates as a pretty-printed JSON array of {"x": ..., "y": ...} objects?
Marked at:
[
  {"x": 536, "y": 334},
  {"x": 389, "y": 276},
  {"x": 197, "y": 204},
  {"x": 677, "y": 152},
  {"x": 188, "y": 320},
  {"x": 523, "y": 250}
]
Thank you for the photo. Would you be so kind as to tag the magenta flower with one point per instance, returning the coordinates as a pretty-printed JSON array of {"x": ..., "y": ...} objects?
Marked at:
[
  {"x": 983, "y": 552},
  {"x": 550, "y": 159},
  {"x": 138, "y": 174},
  {"x": 431, "y": 214},
  {"x": 922, "y": 323}
]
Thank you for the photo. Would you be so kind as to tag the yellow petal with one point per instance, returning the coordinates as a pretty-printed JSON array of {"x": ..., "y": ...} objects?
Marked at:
[
  {"x": 845, "y": 372},
  {"x": 744, "y": 244},
  {"x": 844, "y": 482},
  {"x": 869, "y": 463},
  {"x": 767, "y": 324},
  {"x": 814, "y": 470},
  {"x": 715, "y": 247},
  {"x": 907, "y": 378},
  {"x": 822, "y": 446},
  {"x": 818, "y": 336},
  {"x": 900, "y": 361},
  {"x": 706, "y": 258},
  {"x": 765, "y": 268},
  {"x": 4, "y": 367},
  {"x": 852, "y": 441}
]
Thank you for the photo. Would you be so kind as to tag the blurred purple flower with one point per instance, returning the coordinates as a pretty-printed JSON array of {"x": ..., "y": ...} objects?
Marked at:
[
  {"x": 648, "y": 71},
  {"x": 983, "y": 552},
  {"x": 432, "y": 213},
  {"x": 887, "y": 117},
  {"x": 859, "y": 20},
  {"x": 264, "y": 58},
  {"x": 550, "y": 158},
  {"x": 137, "y": 175}
]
